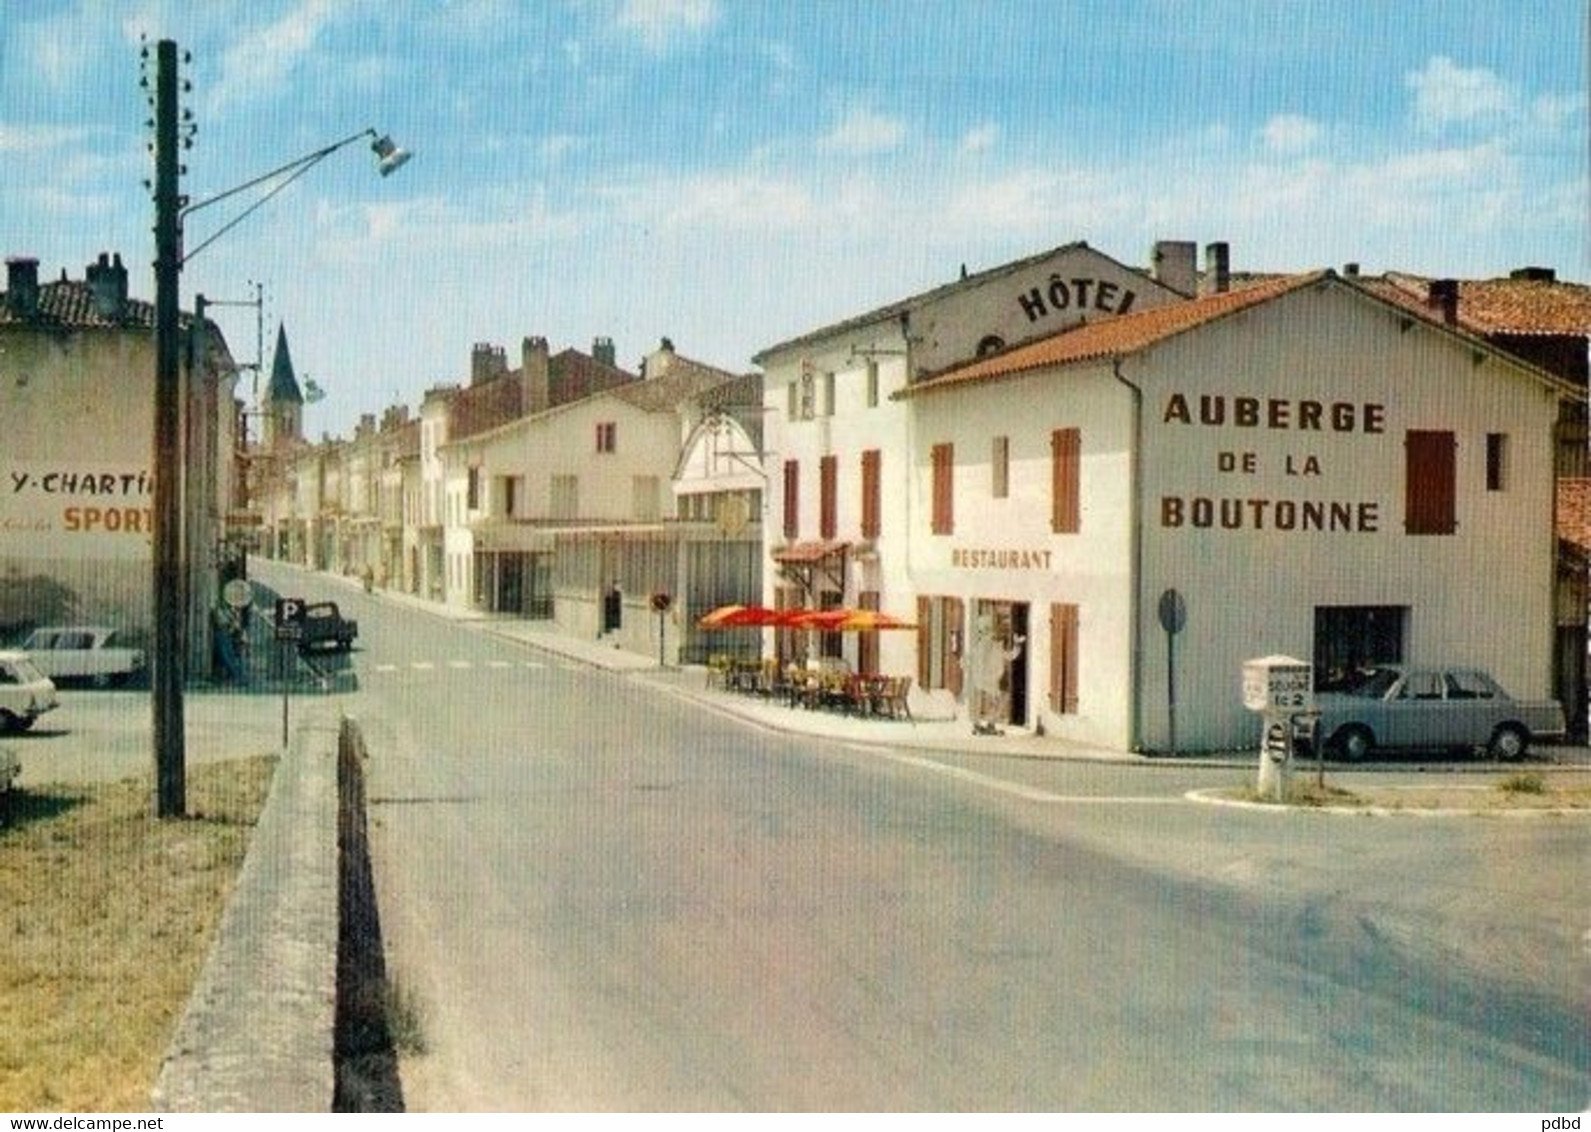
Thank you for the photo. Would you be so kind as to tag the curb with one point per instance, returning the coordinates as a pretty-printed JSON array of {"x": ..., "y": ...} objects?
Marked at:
[
  {"x": 257, "y": 1032},
  {"x": 1212, "y": 797}
]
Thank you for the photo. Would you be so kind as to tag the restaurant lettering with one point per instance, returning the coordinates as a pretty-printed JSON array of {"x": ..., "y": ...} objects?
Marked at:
[
  {"x": 1080, "y": 294},
  {"x": 1248, "y": 511},
  {"x": 987, "y": 559}
]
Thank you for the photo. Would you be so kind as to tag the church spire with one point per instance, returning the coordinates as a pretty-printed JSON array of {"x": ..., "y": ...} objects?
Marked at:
[{"x": 284, "y": 383}]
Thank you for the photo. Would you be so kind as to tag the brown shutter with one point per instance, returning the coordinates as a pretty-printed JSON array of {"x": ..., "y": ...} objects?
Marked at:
[
  {"x": 1063, "y": 659},
  {"x": 944, "y": 518},
  {"x": 1430, "y": 490},
  {"x": 828, "y": 484},
  {"x": 1065, "y": 457},
  {"x": 792, "y": 499},
  {"x": 867, "y": 643},
  {"x": 871, "y": 503},
  {"x": 924, "y": 642},
  {"x": 954, "y": 611}
]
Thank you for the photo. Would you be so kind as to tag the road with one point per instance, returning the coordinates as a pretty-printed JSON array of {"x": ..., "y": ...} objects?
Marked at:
[{"x": 606, "y": 898}]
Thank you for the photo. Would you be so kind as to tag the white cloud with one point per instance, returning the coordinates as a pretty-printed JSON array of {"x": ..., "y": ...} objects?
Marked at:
[
  {"x": 725, "y": 201},
  {"x": 658, "y": 22},
  {"x": 1446, "y": 94},
  {"x": 1290, "y": 133},
  {"x": 260, "y": 62},
  {"x": 17, "y": 139},
  {"x": 863, "y": 131},
  {"x": 980, "y": 138}
]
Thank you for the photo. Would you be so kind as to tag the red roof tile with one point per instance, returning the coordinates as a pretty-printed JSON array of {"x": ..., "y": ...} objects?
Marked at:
[
  {"x": 1501, "y": 306},
  {"x": 1574, "y": 512}
]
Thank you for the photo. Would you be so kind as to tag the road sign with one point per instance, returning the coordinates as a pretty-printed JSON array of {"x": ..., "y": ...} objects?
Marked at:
[
  {"x": 237, "y": 593},
  {"x": 1173, "y": 611},
  {"x": 289, "y": 618}
]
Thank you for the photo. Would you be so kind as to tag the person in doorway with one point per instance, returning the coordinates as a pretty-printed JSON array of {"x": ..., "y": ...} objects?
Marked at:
[{"x": 990, "y": 661}]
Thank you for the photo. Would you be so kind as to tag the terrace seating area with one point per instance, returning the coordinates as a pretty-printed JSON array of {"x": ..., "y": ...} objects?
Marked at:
[{"x": 826, "y": 686}]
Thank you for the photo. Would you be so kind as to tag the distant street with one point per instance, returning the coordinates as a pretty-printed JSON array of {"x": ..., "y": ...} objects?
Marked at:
[{"x": 606, "y": 897}]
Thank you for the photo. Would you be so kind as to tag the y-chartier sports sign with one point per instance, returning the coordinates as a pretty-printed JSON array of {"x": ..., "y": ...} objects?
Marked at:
[{"x": 77, "y": 509}]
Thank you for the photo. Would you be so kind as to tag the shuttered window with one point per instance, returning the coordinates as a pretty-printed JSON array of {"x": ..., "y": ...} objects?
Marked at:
[
  {"x": 1000, "y": 467},
  {"x": 1063, "y": 659},
  {"x": 828, "y": 484},
  {"x": 944, "y": 517},
  {"x": 871, "y": 499},
  {"x": 792, "y": 499},
  {"x": 1066, "y": 446},
  {"x": 1430, "y": 490}
]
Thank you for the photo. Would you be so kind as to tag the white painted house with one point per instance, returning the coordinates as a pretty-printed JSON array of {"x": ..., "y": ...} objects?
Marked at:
[
  {"x": 839, "y": 444},
  {"x": 1313, "y": 470}
]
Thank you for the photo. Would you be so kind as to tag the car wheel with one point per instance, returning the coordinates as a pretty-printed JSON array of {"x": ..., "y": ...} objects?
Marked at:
[
  {"x": 16, "y": 722},
  {"x": 1354, "y": 743},
  {"x": 1509, "y": 742}
]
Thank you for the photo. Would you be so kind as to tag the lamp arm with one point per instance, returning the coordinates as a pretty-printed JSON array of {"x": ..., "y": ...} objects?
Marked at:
[{"x": 308, "y": 159}]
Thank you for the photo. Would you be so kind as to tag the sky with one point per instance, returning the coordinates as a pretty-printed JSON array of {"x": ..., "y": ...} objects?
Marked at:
[{"x": 732, "y": 173}]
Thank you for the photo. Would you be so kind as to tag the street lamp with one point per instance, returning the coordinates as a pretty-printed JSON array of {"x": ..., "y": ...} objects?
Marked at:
[{"x": 171, "y": 208}]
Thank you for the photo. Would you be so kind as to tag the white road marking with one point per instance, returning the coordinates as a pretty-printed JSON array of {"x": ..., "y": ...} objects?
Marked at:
[
  {"x": 1016, "y": 789},
  {"x": 458, "y": 664},
  {"x": 386, "y": 668},
  {"x": 498, "y": 664},
  {"x": 422, "y": 665}
]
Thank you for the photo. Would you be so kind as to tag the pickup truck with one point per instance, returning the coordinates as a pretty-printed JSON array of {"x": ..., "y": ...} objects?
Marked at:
[
  {"x": 1395, "y": 706},
  {"x": 324, "y": 627}
]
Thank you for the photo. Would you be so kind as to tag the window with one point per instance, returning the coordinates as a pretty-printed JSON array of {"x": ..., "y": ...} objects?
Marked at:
[
  {"x": 565, "y": 497},
  {"x": 792, "y": 499},
  {"x": 828, "y": 393},
  {"x": 472, "y": 491},
  {"x": 1063, "y": 659},
  {"x": 872, "y": 385},
  {"x": 1352, "y": 638},
  {"x": 1421, "y": 686},
  {"x": 871, "y": 494},
  {"x": 1430, "y": 496},
  {"x": 828, "y": 483},
  {"x": 944, "y": 516},
  {"x": 793, "y": 408},
  {"x": 1496, "y": 461},
  {"x": 1000, "y": 467},
  {"x": 607, "y": 436},
  {"x": 1066, "y": 445},
  {"x": 939, "y": 643}
]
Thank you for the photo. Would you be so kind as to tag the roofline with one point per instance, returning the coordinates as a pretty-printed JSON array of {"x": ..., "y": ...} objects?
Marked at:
[
  {"x": 895, "y": 309},
  {"x": 947, "y": 379}
]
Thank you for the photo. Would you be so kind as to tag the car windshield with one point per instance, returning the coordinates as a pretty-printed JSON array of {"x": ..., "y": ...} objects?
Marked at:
[
  {"x": 1372, "y": 683},
  {"x": 25, "y": 671}
]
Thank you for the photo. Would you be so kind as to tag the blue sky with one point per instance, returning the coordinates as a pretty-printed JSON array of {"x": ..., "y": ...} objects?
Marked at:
[{"x": 733, "y": 172}]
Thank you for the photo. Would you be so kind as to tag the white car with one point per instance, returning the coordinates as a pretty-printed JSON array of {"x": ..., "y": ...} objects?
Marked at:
[
  {"x": 25, "y": 692},
  {"x": 84, "y": 652}
]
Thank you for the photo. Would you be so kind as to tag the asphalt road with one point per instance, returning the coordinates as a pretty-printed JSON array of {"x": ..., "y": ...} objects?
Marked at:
[{"x": 603, "y": 897}]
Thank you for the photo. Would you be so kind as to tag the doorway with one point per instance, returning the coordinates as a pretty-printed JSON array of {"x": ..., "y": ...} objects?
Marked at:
[{"x": 1009, "y": 622}]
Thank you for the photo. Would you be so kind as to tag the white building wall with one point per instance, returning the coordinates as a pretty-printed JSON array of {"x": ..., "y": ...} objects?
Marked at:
[
  {"x": 1005, "y": 549},
  {"x": 1479, "y": 597}
]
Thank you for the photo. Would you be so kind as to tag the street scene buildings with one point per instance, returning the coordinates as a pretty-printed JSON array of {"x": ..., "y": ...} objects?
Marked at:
[{"x": 1031, "y": 459}]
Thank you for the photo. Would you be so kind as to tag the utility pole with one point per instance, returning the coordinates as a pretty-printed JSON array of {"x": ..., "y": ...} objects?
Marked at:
[{"x": 166, "y": 667}]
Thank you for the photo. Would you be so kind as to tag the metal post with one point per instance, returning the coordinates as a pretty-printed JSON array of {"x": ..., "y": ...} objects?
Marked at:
[{"x": 166, "y": 659}]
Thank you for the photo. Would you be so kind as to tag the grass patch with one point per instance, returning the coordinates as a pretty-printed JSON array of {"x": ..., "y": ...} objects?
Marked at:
[
  {"x": 1305, "y": 794},
  {"x": 106, "y": 916},
  {"x": 1525, "y": 782}
]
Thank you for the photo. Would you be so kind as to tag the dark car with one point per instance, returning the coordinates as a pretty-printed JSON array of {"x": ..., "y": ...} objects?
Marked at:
[{"x": 324, "y": 627}]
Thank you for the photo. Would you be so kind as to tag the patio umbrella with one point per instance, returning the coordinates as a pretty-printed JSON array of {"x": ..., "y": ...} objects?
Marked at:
[
  {"x": 845, "y": 620},
  {"x": 738, "y": 617}
]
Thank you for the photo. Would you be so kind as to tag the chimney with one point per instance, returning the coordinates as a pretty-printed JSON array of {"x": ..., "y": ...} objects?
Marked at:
[
  {"x": 537, "y": 393},
  {"x": 486, "y": 362},
  {"x": 1351, "y": 270},
  {"x": 1217, "y": 268},
  {"x": 1174, "y": 263},
  {"x": 22, "y": 286},
  {"x": 1534, "y": 274},
  {"x": 1442, "y": 294},
  {"x": 602, "y": 350},
  {"x": 107, "y": 286}
]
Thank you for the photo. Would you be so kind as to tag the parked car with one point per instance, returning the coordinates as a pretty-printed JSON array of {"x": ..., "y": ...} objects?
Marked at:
[
  {"x": 1393, "y": 706},
  {"x": 25, "y": 692},
  {"x": 324, "y": 626},
  {"x": 90, "y": 653}
]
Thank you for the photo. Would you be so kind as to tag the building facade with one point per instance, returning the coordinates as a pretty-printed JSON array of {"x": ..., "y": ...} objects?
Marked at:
[
  {"x": 77, "y": 372},
  {"x": 1300, "y": 467}
]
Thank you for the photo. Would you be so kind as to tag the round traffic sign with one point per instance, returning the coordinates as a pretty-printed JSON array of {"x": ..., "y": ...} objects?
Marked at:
[
  {"x": 1173, "y": 611},
  {"x": 237, "y": 593}
]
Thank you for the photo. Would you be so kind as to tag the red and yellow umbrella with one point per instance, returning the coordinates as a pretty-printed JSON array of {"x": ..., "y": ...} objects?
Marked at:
[
  {"x": 738, "y": 617},
  {"x": 844, "y": 620}
]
